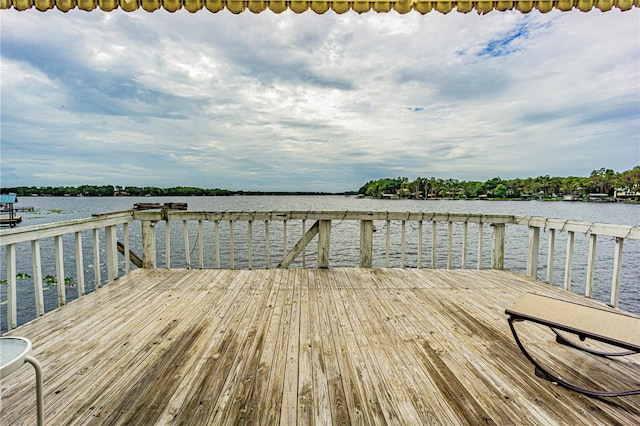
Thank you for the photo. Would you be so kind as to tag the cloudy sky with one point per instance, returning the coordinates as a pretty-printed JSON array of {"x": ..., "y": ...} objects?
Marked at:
[{"x": 315, "y": 102}]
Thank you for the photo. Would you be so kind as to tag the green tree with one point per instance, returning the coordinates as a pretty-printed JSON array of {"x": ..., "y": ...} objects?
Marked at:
[{"x": 500, "y": 190}]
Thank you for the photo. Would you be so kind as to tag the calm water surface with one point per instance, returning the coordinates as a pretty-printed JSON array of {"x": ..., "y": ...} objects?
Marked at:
[
  {"x": 54, "y": 209},
  {"x": 344, "y": 252}
]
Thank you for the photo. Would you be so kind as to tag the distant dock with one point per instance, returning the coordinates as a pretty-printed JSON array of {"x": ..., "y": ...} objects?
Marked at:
[
  {"x": 7, "y": 202},
  {"x": 10, "y": 221}
]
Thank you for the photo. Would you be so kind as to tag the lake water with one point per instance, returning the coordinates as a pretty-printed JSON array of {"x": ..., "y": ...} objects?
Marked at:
[
  {"x": 344, "y": 252},
  {"x": 54, "y": 209}
]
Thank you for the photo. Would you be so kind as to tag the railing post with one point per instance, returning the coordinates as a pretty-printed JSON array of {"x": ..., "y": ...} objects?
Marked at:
[
  {"x": 79, "y": 264},
  {"x": 615, "y": 281},
  {"x": 185, "y": 239},
  {"x": 167, "y": 244},
  {"x": 127, "y": 251},
  {"x": 96, "y": 259},
  {"x": 216, "y": 227},
  {"x": 449, "y": 243},
  {"x": 403, "y": 243},
  {"x": 12, "y": 299},
  {"x": 551, "y": 250},
  {"x": 480, "y": 237},
  {"x": 465, "y": 229},
  {"x": 497, "y": 246},
  {"x": 231, "y": 257},
  {"x": 266, "y": 243},
  {"x": 62, "y": 296},
  {"x": 568, "y": 260},
  {"x": 250, "y": 242},
  {"x": 324, "y": 243},
  {"x": 112, "y": 253},
  {"x": 532, "y": 254},
  {"x": 388, "y": 243},
  {"x": 304, "y": 252},
  {"x": 419, "y": 263},
  {"x": 366, "y": 243},
  {"x": 200, "y": 245},
  {"x": 588, "y": 289},
  {"x": 37, "y": 277},
  {"x": 148, "y": 244},
  {"x": 434, "y": 229}
]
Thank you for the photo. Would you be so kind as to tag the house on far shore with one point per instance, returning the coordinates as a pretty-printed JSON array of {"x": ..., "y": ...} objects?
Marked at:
[
  {"x": 626, "y": 194},
  {"x": 600, "y": 198},
  {"x": 390, "y": 196}
]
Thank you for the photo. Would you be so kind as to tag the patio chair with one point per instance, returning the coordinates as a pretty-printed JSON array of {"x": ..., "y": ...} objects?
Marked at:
[{"x": 615, "y": 328}]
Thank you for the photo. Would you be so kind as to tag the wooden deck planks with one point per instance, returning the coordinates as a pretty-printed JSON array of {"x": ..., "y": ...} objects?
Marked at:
[{"x": 313, "y": 346}]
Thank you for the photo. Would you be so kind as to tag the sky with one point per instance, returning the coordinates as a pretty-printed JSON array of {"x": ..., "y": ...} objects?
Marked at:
[{"x": 309, "y": 102}]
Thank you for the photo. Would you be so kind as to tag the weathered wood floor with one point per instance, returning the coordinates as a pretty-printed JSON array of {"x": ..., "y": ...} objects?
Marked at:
[{"x": 336, "y": 346}]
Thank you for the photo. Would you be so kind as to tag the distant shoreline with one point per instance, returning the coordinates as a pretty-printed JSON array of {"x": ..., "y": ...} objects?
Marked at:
[{"x": 345, "y": 194}]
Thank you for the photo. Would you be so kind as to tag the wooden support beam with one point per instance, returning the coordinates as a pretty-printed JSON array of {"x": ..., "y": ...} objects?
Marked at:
[
  {"x": 291, "y": 256},
  {"x": 135, "y": 259}
]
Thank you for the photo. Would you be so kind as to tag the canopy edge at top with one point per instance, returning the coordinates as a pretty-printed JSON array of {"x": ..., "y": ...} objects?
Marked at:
[{"x": 359, "y": 6}]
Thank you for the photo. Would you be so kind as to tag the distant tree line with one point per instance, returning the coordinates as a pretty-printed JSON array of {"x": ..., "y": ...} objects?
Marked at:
[
  {"x": 111, "y": 190},
  {"x": 602, "y": 181},
  {"x": 134, "y": 191}
]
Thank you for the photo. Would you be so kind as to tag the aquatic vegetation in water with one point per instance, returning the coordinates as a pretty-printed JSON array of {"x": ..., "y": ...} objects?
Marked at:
[
  {"x": 51, "y": 280},
  {"x": 20, "y": 276}
]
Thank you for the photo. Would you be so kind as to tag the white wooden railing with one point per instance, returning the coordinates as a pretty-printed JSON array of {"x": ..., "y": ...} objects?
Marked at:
[
  {"x": 593, "y": 230},
  {"x": 322, "y": 229},
  {"x": 35, "y": 234},
  {"x": 200, "y": 227}
]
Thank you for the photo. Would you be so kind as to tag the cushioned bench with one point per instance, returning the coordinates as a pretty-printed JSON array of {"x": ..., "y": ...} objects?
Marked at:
[{"x": 614, "y": 328}]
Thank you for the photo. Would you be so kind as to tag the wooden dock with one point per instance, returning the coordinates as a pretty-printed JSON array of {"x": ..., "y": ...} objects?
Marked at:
[
  {"x": 307, "y": 346},
  {"x": 11, "y": 221}
]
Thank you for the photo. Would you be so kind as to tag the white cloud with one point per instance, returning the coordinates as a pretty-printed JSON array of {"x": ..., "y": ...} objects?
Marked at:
[{"x": 315, "y": 102}]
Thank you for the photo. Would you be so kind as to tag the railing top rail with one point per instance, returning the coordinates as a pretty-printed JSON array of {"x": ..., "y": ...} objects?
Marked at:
[
  {"x": 619, "y": 231},
  {"x": 322, "y": 215},
  {"x": 28, "y": 233},
  {"x": 47, "y": 230}
]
